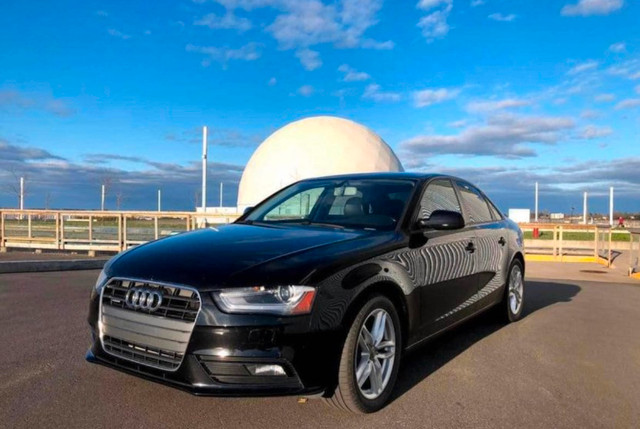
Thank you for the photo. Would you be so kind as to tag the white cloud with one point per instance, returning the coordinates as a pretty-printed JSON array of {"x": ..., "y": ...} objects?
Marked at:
[
  {"x": 430, "y": 4},
  {"x": 495, "y": 105},
  {"x": 592, "y": 7},
  {"x": 589, "y": 114},
  {"x": 427, "y": 97},
  {"x": 115, "y": 33},
  {"x": 373, "y": 92},
  {"x": 305, "y": 23},
  {"x": 583, "y": 67},
  {"x": 309, "y": 59},
  {"x": 352, "y": 75},
  {"x": 501, "y": 17},
  {"x": 592, "y": 132},
  {"x": 248, "y": 52},
  {"x": 629, "y": 69},
  {"x": 505, "y": 136},
  {"x": 244, "y": 4},
  {"x": 461, "y": 123},
  {"x": 618, "y": 47},
  {"x": 604, "y": 98},
  {"x": 637, "y": 89},
  {"x": 434, "y": 26},
  {"x": 628, "y": 103},
  {"x": 476, "y": 3},
  {"x": 380, "y": 46},
  {"x": 226, "y": 22},
  {"x": 14, "y": 100},
  {"x": 306, "y": 90},
  {"x": 272, "y": 82}
]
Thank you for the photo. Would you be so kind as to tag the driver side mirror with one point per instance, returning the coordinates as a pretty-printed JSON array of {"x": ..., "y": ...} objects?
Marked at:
[
  {"x": 247, "y": 210},
  {"x": 441, "y": 220}
]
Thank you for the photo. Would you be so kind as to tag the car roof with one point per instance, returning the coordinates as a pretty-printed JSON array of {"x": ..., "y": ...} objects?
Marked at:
[{"x": 383, "y": 175}]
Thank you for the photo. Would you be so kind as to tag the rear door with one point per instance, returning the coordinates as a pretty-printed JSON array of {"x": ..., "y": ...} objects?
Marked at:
[{"x": 490, "y": 242}]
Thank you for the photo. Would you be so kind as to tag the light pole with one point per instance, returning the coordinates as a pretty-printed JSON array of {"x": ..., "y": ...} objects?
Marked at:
[{"x": 536, "y": 203}]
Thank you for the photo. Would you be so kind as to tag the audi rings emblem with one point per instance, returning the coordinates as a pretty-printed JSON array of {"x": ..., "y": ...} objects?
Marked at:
[{"x": 141, "y": 298}]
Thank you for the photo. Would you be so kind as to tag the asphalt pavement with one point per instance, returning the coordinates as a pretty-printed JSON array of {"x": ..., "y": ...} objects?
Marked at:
[{"x": 572, "y": 361}]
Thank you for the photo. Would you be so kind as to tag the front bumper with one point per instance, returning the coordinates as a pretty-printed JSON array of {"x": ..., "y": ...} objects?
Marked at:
[{"x": 222, "y": 347}]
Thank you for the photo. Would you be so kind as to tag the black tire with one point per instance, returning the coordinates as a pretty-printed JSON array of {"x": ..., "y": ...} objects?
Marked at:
[
  {"x": 505, "y": 308},
  {"x": 347, "y": 395}
]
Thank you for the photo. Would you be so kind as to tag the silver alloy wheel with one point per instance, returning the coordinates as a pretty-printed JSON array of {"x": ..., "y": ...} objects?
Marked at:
[
  {"x": 375, "y": 353},
  {"x": 516, "y": 289}
]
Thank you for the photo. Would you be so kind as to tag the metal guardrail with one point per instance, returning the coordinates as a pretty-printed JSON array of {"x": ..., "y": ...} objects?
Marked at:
[
  {"x": 105, "y": 231},
  {"x": 634, "y": 251},
  {"x": 599, "y": 247}
]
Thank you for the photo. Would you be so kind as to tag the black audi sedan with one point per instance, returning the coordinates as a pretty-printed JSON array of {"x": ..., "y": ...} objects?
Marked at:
[{"x": 316, "y": 291}]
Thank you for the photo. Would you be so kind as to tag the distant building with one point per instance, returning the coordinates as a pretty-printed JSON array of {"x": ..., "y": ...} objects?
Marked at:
[
  {"x": 520, "y": 215},
  {"x": 313, "y": 147}
]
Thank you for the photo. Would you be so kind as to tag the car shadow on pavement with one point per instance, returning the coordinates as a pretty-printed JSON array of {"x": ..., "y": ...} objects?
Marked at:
[{"x": 428, "y": 358}]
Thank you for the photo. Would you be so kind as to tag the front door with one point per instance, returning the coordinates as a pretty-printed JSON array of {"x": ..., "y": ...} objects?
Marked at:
[{"x": 448, "y": 278}]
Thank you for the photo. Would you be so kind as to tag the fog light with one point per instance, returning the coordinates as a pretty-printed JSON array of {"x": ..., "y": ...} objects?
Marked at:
[{"x": 260, "y": 370}]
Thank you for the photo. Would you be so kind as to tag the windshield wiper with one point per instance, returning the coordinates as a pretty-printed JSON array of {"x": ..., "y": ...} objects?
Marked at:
[{"x": 308, "y": 222}]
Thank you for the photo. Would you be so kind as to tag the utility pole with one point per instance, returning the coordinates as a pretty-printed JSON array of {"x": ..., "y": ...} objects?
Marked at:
[
  {"x": 159, "y": 200},
  {"x": 536, "y": 203},
  {"x": 220, "y": 194},
  {"x": 204, "y": 168},
  {"x": 611, "y": 206},
  {"x": 22, "y": 193},
  {"x": 102, "y": 200},
  {"x": 584, "y": 209}
]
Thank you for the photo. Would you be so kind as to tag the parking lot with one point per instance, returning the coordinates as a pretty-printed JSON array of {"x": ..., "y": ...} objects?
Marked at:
[{"x": 572, "y": 361}]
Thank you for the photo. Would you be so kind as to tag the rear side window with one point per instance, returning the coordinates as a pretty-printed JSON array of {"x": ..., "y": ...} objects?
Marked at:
[
  {"x": 439, "y": 195},
  {"x": 477, "y": 207}
]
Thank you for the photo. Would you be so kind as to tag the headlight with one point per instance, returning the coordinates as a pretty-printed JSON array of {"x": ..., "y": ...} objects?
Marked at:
[
  {"x": 101, "y": 279},
  {"x": 281, "y": 300}
]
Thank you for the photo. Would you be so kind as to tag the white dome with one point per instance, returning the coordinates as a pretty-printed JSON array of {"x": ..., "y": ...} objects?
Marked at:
[{"x": 313, "y": 147}]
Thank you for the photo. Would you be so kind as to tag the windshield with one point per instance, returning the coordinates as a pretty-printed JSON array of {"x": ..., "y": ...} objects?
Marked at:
[{"x": 369, "y": 203}]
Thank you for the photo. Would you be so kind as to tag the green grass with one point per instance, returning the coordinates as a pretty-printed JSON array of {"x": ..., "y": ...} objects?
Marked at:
[{"x": 578, "y": 236}]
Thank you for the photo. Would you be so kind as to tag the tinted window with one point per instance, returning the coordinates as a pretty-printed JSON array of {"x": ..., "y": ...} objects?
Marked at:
[
  {"x": 439, "y": 195},
  {"x": 299, "y": 206},
  {"x": 495, "y": 212},
  {"x": 477, "y": 207},
  {"x": 372, "y": 203}
]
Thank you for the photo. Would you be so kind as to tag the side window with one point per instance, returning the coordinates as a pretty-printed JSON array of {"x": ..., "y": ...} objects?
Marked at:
[
  {"x": 439, "y": 195},
  {"x": 495, "y": 212},
  {"x": 475, "y": 203}
]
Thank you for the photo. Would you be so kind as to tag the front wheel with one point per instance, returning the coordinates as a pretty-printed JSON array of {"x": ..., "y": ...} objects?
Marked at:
[
  {"x": 370, "y": 358},
  {"x": 513, "y": 301}
]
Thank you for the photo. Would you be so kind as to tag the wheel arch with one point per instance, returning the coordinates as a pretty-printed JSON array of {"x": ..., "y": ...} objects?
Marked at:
[
  {"x": 391, "y": 291},
  {"x": 518, "y": 256}
]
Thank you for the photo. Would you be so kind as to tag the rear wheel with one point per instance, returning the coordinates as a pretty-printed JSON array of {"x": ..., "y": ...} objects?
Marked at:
[{"x": 370, "y": 358}]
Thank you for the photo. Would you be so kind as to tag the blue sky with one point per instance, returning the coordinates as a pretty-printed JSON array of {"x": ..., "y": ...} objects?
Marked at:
[{"x": 502, "y": 92}]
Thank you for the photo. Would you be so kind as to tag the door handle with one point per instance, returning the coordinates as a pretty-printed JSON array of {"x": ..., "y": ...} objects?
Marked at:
[
  {"x": 502, "y": 241},
  {"x": 470, "y": 247}
]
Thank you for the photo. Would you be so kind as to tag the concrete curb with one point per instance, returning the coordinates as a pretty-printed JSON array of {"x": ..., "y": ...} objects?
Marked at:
[{"x": 43, "y": 266}]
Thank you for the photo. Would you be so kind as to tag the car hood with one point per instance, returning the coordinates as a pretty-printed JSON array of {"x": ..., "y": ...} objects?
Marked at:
[{"x": 240, "y": 255}]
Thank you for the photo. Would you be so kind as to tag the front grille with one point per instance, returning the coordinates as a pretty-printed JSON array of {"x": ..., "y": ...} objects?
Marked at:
[
  {"x": 142, "y": 354},
  {"x": 177, "y": 303},
  {"x": 156, "y": 338}
]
